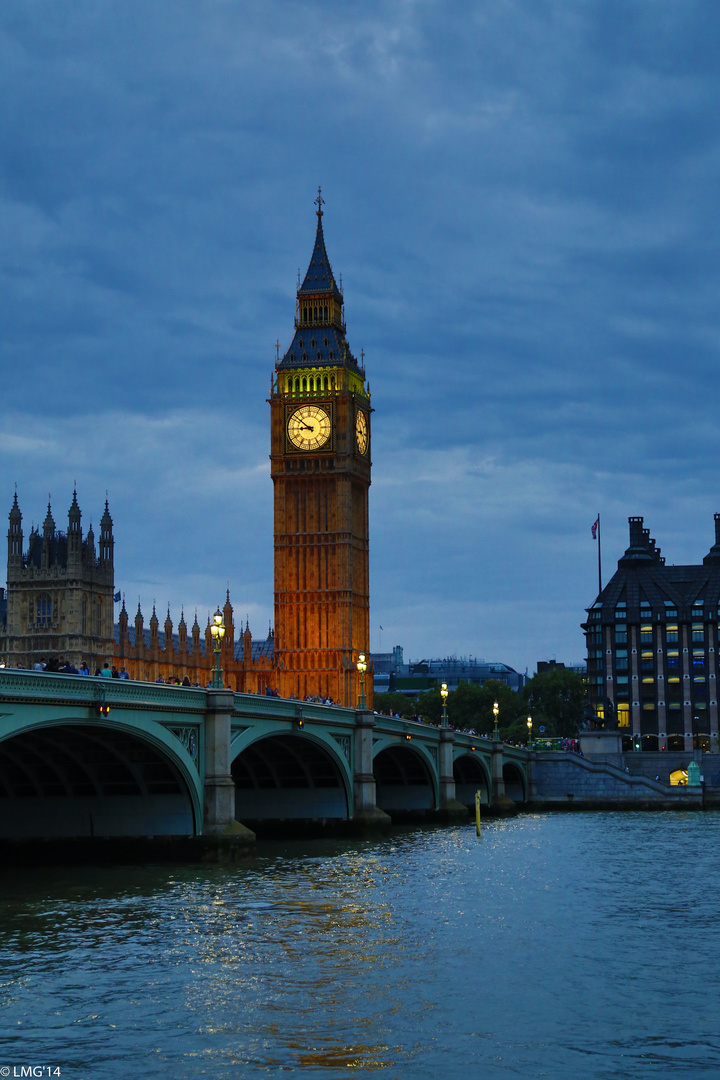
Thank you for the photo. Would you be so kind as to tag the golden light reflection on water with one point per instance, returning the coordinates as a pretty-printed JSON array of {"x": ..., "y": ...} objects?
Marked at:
[{"x": 254, "y": 959}]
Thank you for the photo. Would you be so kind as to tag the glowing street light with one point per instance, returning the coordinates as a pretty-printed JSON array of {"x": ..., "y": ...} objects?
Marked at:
[
  {"x": 496, "y": 730},
  {"x": 217, "y": 629},
  {"x": 529, "y": 727},
  {"x": 444, "y": 696},
  {"x": 362, "y": 668}
]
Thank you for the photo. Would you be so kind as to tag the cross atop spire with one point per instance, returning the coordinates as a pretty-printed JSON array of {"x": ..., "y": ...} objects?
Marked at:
[{"x": 319, "y": 203}]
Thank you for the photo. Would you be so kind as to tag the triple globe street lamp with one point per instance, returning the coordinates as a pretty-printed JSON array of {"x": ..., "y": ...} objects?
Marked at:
[{"x": 496, "y": 729}]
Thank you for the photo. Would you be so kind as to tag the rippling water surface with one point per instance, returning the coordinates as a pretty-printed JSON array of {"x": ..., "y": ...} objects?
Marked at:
[{"x": 578, "y": 946}]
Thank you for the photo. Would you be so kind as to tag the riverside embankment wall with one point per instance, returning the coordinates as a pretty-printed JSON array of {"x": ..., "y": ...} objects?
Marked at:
[{"x": 567, "y": 781}]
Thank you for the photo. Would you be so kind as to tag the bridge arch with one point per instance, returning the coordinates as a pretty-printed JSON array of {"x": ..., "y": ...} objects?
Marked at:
[
  {"x": 68, "y": 777},
  {"x": 406, "y": 778},
  {"x": 283, "y": 775},
  {"x": 471, "y": 774},
  {"x": 515, "y": 781}
]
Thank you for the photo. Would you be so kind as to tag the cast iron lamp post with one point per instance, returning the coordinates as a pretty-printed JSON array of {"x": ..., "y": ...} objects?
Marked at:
[
  {"x": 496, "y": 730},
  {"x": 362, "y": 668},
  {"x": 444, "y": 696},
  {"x": 217, "y": 629},
  {"x": 529, "y": 727}
]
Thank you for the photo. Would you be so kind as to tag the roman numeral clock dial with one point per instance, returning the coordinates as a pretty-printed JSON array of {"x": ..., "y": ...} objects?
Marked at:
[
  {"x": 361, "y": 432},
  {"x": 309, "y": 427}
]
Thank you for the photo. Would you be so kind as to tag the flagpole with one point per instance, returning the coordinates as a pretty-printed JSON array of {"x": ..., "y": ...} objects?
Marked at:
[{"x": 599, "y": 558}]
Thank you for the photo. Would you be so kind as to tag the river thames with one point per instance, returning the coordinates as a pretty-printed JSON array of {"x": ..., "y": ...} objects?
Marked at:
[{"x": 557, "y": 945}]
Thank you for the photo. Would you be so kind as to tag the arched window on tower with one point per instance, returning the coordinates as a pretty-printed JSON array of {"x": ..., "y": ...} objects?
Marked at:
[
  {"x": 304, "y": 384},
  {"x": 325, "y": 311},
  {"x": 297, "y": 386},
  {"x": 98, "y": 618},
  {"x": 325, "y": 383}
]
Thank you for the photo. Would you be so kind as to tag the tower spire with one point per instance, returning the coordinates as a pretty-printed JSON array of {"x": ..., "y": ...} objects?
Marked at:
[{"x": 319, "y": 279}]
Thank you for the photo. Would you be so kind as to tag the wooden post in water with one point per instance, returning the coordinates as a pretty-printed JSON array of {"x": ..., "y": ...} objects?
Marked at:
[{"x": 477, "y": 812}]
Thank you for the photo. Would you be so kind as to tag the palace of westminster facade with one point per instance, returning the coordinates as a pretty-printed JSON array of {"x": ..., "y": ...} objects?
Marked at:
[{"x": 61, "y": 590}]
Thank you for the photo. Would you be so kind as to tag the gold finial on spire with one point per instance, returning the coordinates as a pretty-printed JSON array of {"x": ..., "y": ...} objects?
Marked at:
[{"x": 319, "y": 203}]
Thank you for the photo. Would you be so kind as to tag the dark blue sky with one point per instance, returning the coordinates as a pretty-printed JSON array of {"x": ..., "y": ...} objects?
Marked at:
[{"x": 522, "y": 200}]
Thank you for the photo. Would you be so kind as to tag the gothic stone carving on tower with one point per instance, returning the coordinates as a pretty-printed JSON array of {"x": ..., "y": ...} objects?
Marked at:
[{"x": 59, "y": 591}]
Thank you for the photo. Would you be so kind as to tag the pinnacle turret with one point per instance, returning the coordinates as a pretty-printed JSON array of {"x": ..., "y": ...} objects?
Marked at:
[
  {"x": 15, "y": 535},
  {"x": 49, "y": 524}
]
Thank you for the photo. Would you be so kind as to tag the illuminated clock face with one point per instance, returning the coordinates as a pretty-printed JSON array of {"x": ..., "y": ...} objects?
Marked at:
[
  {"x": 361, "y": 431},
  {"x": 309, "y": 427}
]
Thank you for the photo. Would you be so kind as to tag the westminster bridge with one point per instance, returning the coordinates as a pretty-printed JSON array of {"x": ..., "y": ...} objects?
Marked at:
[{"x": 84, "y": 757}]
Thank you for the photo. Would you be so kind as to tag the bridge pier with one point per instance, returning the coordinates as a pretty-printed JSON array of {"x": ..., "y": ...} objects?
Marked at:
[
  {"x": 501, "y": 804},
  {"x": 450, "y": 809},
  {"x": 219, "y": 787},
  {"x": 367, "y": 814}
]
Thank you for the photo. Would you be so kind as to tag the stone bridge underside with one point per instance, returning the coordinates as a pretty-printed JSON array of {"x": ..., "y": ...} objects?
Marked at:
[
  {"x": 287, "y": 777},
  {"x": 403, "y": 781},
  {"x": 83, "y": 780},
  {"x": 470, "y": 776}
]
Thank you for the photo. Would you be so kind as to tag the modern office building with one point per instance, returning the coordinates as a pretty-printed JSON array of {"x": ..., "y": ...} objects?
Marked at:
[
  {"x": 392, "y": 674},
  {"x": 652, "y": 641}
]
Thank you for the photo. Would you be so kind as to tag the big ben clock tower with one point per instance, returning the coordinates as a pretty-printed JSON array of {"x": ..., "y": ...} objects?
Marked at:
[{"x": 320, "y": 464}]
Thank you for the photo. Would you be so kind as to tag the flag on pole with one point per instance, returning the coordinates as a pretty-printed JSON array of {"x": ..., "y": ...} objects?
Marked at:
[
  {"x": 595, "y": 527},
  {"x": 116, "y": 598}
]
